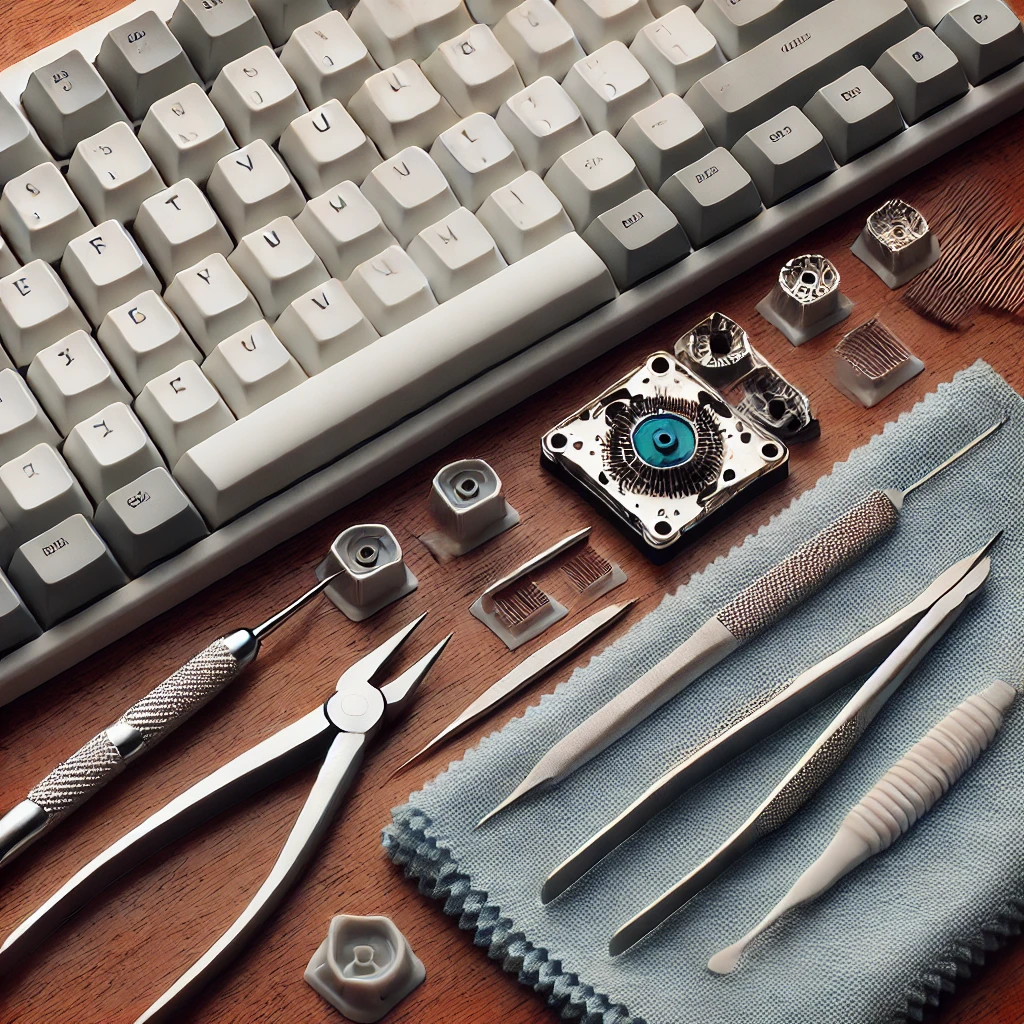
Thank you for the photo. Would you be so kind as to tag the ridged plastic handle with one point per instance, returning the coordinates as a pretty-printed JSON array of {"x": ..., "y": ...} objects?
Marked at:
[
  {"x": 810, "y": 567},
  {"x": 914, "y": 784},
  {"x": 164, "y": 708}
]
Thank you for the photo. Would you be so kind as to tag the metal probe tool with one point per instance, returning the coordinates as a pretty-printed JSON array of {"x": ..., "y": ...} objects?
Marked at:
[
  {"x": 139, "y": 729},
  {"x": 763, "y": 603}
]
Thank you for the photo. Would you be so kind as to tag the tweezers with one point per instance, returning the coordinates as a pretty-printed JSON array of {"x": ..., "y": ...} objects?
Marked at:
[{"x": 893, "y": 649}]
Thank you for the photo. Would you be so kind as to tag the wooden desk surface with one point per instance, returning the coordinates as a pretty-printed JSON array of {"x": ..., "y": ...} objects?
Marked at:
[{"x": 114, "y": 958}]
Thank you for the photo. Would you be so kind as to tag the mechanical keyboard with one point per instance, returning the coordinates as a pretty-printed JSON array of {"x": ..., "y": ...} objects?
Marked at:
[{"x": 260, "y": 256}]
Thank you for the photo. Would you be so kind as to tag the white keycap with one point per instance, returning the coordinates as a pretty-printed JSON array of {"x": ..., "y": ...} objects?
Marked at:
[
  {"x": 399, "y": 108},
  {"x": 20, "y": 147},
  {"x": 213, "y": 33},
  {"x": 922, "y": 73},
  {"x": 322, "y": 327},
  {"x": 663, "y": 138},
  {"x": 326, "y": 147},
  {"x": 542, "y": 122},
  {"x": 143, "y": 338},
  {"x": 609, "y": 87},
  {"x": 256, "y": 97},
  {"x": 277, "y": 265},
  {"x": 282, "y": 17},
  {"x": 252, "y": 186},
  {"x": 23, "y": 424},
  {"x": 211, "y": 302},
  {"x": 72, "y": 380},
  {"x": 252, "y": 367},
  {"x": 599, "y": 22},
  {"x": 327, "y": 60},
  {"x": 177, "y": 227},
  {"x": 112, "y": 174},
  {"x": 524, "y": 216},
  {"x": 39, "y": 214},
  {"x": 455, "y": 254},
  {"x": 180, "y": 408},
  {"x": 676, "y": 50},
  {"x": 473, "y": 72},
  {"x": 711, "y": 196},
  {"x": 35, "y": 310},
  {"x": 637, "y": 238},
  {"x": 104, "y": 267},
  {"x": 592, "y": 178},
  {"x": 410, "y": 193},
  {"x": 67, "y": 101},
  {"x": 344, "y": 229},
  {"x": 141, "y": 61},
  {"x": 490, "y": 12},
  {"x": 37, "y": 490},
  {"x": 986, "y": 37},
  {"x": 539, "y": 40},
  {"x": 476, "y": 158},
  {"x": 398, "y": 30},
  {"x": 110, "y": 449},
  {"x": 185, "y": 135},
  {"x": 390, "y": 290}
]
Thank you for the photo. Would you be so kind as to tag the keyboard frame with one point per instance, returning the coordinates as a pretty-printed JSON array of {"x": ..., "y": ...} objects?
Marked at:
[{"x": 380, "y": 459}]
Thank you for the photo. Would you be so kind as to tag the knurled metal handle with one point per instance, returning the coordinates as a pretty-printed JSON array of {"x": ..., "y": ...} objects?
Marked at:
[
  {"x": 810, "y": 567},
  {"x": 162, "y": 710}
]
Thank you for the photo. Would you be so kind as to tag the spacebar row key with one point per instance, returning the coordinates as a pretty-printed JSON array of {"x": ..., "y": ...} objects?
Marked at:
[
  {"x": 790, "y": 67},
  {"x": 366, "y": 393}
]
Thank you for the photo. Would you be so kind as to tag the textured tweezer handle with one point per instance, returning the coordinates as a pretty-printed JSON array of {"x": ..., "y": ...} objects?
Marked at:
[
  {"x": 810, "y": 567},
  {"x": 164, "y": 708},
  {"x": 912, "y": 786}
]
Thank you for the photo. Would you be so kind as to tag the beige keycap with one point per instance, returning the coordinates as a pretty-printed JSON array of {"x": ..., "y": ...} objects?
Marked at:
[
  {"x": 213, "y": 33},
  {"x": 599, "y": 22},
  {"x": 35, "y": 310},
  {"x": 397, "y": 30},
  {"x": 524, "y": 216},
  {"x": 539, "y": 40},
  {"x": 542, "y": 122},
  {"x": 476, "y": 158},
  {"x": 37, "y": 490},
  {"x": 23, "y": 424},
  {"x": 391, "y": 290},
  {"x": 455, "y": 254},
  {"x": 39, "y": 214},
  {"x": 327, "y": 60}
]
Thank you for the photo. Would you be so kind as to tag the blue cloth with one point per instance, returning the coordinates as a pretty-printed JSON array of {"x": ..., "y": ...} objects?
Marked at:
[{"x": 889, "y": 937}]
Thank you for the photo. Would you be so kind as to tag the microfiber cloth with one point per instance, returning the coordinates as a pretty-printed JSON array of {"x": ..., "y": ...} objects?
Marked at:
[{"x": 894, "y": 934}]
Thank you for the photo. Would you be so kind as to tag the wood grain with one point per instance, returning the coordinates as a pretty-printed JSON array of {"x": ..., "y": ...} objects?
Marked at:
[{"x": 126, "y": 947}]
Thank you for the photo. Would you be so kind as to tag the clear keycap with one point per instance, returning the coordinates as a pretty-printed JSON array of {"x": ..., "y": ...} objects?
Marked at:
[
  {"x": 23, "y": 424},
  {"x": 142, "y": 339},
  {"x": 39, "y": 214},
  {"x": 677, "y": 50},
  {"x": 35, "y": 310},
  {"x": 599, "y": 22},
  {"x": 252, "y": 368},
  {"x": 67, "y": 101},
  {"x": 211, "y": 302},
  {"x": 112, "y": 174},
  {"x": 326, "y": 147},
  {"x": 177, "y": 228},
  {"x": 663, "y": 138},
  {"x": 455, "y": 254},
  {"x": 524, "y": 216},
  {"x": 476, "y": 158},
  {"x": 542, "y": 122},
  {"x": 17, "y": 624},
  {"x": 141, "y": 61},
  {"x": 398, "y": 30},
  {"x": 64, "y": 569},
  {"x": 37, "y": 490},
  {"x": 148, "y": 520},
  {"x": 180, "y": 408},
  {"x": 20, "y": 147},
  {"x": 399, "y": 108},
  {"x": 390, "y": 290},
  {"x": 539, "y": 40},
  {"x": 104, "y": 267},
  {"x": 110, "y": 449},
  {"x": 344, "y": 229},
  {"x": 327, "y": 60},
  {"x": 277, "y": 265},
  {"x": 185, "y": 135},
  {"x": 324, "y": 326},
  {"x": 986, "y": 37},
  {"x": 73, "y": 380},
  {"x": 410, "y": 192},
  {"x": 922, "y": 73},
  {"x": 214, "y": 33},
  {"x": 256, "y": 97},
  {"x": 252, "y": 186},
  {"x": 609, "y": 87},
  {"x": 473, "y": 72}
]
